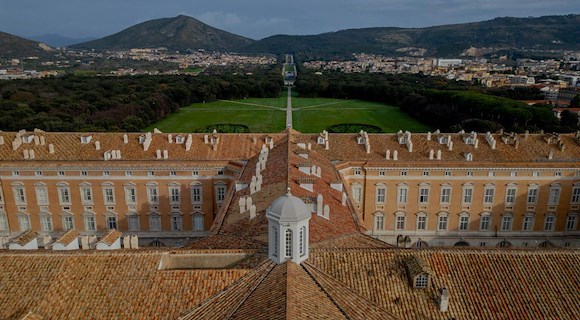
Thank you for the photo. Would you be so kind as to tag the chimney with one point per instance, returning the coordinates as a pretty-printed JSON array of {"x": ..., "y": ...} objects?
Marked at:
[
  {"x": 42, "y": 141},
  {"x": 205, "y": 139},
  {"x": 165, "y": 154},
  {"x": 31, "y": 154},
  {"x": 395, "y": 155},
  {"x": 439, "y": 154},
  {"x": 170, "y": 138},
  {"x": 125, "y": 139},
  {"x": 1, "y": 140},
  {"x": 36, "y": 140},
  {"x": 388, "y": 155},
  {"x": 443, "y": 299},
  {"x": 188, "y": 142},
  {"x": 429, "y": 136},
  {"x": 26, "y": 156},
  {"x": 431, "y": 154},
  {"x": 450, "y": 145},
  {"x": 551, "y": 155},
  {"x": 51, "y": 148},
  {"x": 97, "y": 145}
]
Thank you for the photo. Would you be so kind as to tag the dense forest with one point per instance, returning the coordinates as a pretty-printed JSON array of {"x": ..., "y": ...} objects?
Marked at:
[
  {"x": 448, "y": 105},
  {"x": 74, "y": 103}
]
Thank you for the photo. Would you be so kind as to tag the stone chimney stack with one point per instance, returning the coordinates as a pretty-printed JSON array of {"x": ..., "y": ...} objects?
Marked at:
[
  {"x": 125, "y": 139},
  {"x": 51, "y": 148},
  {"x": 97, "y": 145},
  {"x": 443, "y": 299}
]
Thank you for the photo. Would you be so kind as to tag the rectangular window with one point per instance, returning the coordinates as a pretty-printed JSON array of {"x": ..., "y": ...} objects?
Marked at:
[
  {"x": 382, "y": 173},
  {"x": 152, "y": 195},
  {"x": 130, "y": 195},
  {"x": 506, "y": 223},
  {"x": 463, "y": 223},
  {"x": 528, "y": 224},
  {"x": 176, "y": 224},
  {"x": 422, "y": 223},
  {"x": 536, "y": 174},
  {"x": 46, "y": 222},
  {"x": 84, "y": 173},
  {"x": 67, "y": 223},
  {"x": 510, "y": 195},
  {"x": 109, "y": 194},
  {"x": 221, "y": 193},
  {"x": 24, "y": 222},
  {"x": 38, "y": 173},
  {"x": 558, "y": 173},
  {"x": 445, "y": 195},
  {"x": 3, "y": 222},
  {"x": 61, "y": 173},
  {"x": 571, "y": 223},
  {"x": 488, "y": 195},
  {"x": 400, "y": 223},
  {"x": 532, "y": 195},
  {"x": 491, "y": 173},
  {"x": 133, "y": 222},
  {"x": 402, "y": 195},
  {"x": 172, "y": 173},
  {"x": 64, "y": 195},
  {"x": 357, "y": 172},
  {"x": 467, "y": 195},
  {"x": 111, "y": 223},
  {"x": 554, "y": 197},
  {"x": 90, "y": 223},
  {"x": 87, "y": 195},
  {"x": 513, "y": 174},
  {"x": 425, "y": 173},
  {"x": 196, "y": 194},
  {"x": 106, "y": 173},
  {"x": 381, "y": 192},
  {"x": 469, "y": 173},
  {"x": 16, "y": 173},
  {"x": 379, "y": 222},
  {"x": 174, "y": 196},
  {"x": 423, "y": 195},
  {"x": 195, "y": 173},
  {"x": 442, "y": 223},
  {"x": 154, "y": 222},
  {"x": 549, "y": 223},
  {"x": 128, "y": 173},
  {"x": 575, "y": 198},
  {"x": 150, "y": 173},
  {"x": 447, "y": 173},
  {"x": 41, "y": 196},
  {"x": 403, "y": 173},
  {"x": 484, "y": 223},
  {"x": 357, "y": 194},
  {"x": 19, "y": 195}
]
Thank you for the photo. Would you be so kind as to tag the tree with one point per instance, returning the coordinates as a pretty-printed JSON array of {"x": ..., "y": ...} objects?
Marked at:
[{"x": 575, "y": 102}]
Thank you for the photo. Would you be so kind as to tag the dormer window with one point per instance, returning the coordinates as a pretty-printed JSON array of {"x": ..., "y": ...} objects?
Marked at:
[
  {"x": 418, "y": 272},
  {"x": 320, "y": 140},
  {"x": 180, "y": 139},
  {"x": 443, "y": 140},
  {"x": 360, "y": 140},
  {"x": 28, "y": 139},
  {"x": 86, "y": 139},
  {"x": 142, "y": 139},
  {"x": 469, "y": 156}
]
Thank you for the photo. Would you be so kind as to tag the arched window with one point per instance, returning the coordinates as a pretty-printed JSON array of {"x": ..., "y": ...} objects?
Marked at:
[
  {"x": 302, "y": 241},
  {"x": 276, "y": 244},
  {"x": 288, "y": 243}
]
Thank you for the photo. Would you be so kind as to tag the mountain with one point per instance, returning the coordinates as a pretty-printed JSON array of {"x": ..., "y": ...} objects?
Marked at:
[
  {"x": 549, "y": 32},
  {"x": 12, "y": 46},
  {"x": 58, "y": 41},
  {"x": 179, "y": 33}
]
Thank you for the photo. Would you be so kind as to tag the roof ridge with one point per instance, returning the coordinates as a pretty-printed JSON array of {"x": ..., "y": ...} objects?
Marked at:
[
  {"x": 320, "y": 276},
  {"x": 253, "y": 288},
  {"x": 258, "y": 273}
]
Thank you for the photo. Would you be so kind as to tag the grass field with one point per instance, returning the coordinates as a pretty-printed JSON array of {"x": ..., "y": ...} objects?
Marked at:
[{"x": 310, "y": 115}]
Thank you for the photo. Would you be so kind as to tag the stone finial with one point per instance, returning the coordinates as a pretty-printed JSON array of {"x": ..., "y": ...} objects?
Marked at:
[
  {"x": 134, "y": 242},
  {"x": 252, "y": 211},
  {"x": 443, "y": 299},
  {"x": 127, "y": 242}
]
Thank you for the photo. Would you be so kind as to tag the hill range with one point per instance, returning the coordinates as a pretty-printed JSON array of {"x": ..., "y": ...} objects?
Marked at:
[{"x": 183, "y": 33}]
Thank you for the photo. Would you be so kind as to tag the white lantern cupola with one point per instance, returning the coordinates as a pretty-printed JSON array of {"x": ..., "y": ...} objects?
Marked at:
[{"x": 288, "y": 218}]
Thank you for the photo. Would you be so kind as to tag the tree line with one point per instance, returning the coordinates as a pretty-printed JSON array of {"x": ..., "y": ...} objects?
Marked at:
[
  {"x": 445, "y": 104},
  {"x": 77, "y": 103}
]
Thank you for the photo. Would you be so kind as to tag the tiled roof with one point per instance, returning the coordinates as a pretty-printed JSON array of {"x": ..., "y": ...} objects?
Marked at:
[
  {"x": 534, "y": 149},
  {"x": 354, "y": 306},
  {"x": 68, "y": 146},
  {"x": 110, "y": 237},
  {"x": 32, "y": 316},
  {"x": 98, "y": 285},
  {"x": 483, "y": 284},
  {"x": 68, "y": 237},
  {"x": 25, "y": 237}
]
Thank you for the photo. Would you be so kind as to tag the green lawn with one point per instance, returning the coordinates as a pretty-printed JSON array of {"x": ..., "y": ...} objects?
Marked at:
[
  {"x": 310, "y": 115},
  {"x": 315, "y": 115}
]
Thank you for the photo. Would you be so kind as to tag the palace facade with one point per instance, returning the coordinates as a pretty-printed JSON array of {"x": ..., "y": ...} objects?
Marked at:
[{"x": 409, "y": 190}]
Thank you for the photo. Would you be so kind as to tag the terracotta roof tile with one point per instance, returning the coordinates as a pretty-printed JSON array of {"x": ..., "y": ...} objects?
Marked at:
[
  {"x": 68, "y": 237},
  {"x": 25, "y": 237},
  {"x": 110, "y": 237}
]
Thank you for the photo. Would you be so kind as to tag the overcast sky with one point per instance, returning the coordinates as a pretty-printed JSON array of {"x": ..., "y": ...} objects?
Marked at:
[{"x": 260, "y": 18}]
